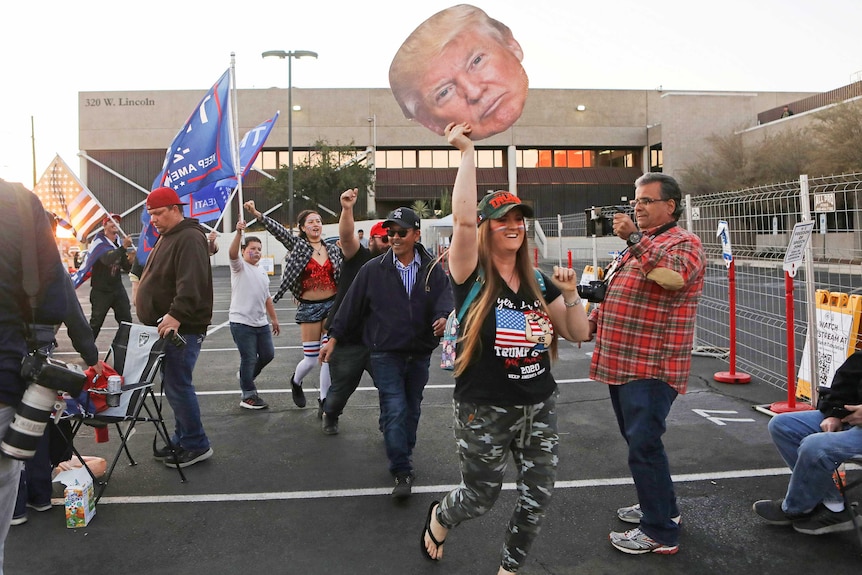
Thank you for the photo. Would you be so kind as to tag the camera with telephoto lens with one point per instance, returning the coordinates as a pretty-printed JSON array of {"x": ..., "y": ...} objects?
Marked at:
[
  {"x": 594, "y": 291},
  {"x": 45, "y": 375}
]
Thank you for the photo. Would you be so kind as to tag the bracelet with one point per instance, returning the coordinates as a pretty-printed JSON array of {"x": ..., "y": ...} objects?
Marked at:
[{"x": 574, "y": 303}]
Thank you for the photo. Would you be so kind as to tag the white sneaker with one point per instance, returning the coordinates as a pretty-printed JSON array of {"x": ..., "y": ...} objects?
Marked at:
[{"x": 634, "y": 514}]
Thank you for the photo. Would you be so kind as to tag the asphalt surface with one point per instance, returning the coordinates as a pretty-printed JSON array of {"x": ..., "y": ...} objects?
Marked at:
[{"x": 278, "y": 496}]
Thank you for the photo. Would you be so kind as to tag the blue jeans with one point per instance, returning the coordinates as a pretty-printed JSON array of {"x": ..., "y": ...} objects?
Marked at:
[
  {"x": 255, "y": 352},
  {"x": 35, "y": 485},
  {"x": 813, "y": 456},
  {"x": 10, "y": 473},
  {"x": 177, "y": 368},
  {"x": 400, "y": 379},
  {"x": 641, "y": 407}
]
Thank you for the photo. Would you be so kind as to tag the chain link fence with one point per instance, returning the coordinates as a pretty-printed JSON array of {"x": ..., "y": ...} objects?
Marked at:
[{"x": 760, "y": 222}]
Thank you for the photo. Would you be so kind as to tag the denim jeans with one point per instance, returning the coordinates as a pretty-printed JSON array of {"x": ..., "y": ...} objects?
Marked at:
[
  {"x": 813, "y": 456},
  {"x": 641, "y": 407},
  {"x": 10, "y": 472},
  {"x": 35, "y": 485},
  {"x": 400, "y": 379},
  {"x": 346, "y": 365},
  {"x": 177, "y": 368},
  {"x": 255, "y": 352}
]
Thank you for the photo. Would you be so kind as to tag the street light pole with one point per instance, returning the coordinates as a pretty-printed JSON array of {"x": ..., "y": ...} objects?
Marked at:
[{"x": 290, "y": 56}]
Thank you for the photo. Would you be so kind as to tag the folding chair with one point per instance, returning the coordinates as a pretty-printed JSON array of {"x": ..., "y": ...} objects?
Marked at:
[
  {"x": 844, "y": 486},
  {"x": 136, "y": 353}
]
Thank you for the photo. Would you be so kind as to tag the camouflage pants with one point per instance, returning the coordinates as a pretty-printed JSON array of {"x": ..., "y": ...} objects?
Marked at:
[{"x": 485, "y": 434}]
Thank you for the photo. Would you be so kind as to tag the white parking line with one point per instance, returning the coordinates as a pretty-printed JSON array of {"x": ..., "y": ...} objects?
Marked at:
[{"x": 377, "y": 491}]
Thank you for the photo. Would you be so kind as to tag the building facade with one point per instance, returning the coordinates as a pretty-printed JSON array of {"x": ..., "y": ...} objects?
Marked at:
[{"x": 570, "y": 149}]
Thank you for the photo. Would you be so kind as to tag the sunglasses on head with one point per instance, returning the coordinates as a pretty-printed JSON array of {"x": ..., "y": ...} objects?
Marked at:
[{"x": 401, "y": 233}]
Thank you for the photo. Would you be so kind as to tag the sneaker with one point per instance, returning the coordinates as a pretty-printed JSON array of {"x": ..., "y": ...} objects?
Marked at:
[
  {"x": 770, "y": 511},
  {"x": 253, "y": 402},
  {"x": 162, "y": 452},
  {"x": 39, "y": 508},
  {"x": 822, "y": 520},
  {"x": 296, "y": 392},
  {"x": 329, "y": 424},
  {"x": 403, "y": 485},
  {"x": 636, "y": 542},
  {"x": 186, "y": 458},
  {"x": 634, "y": 514},
  {"x": 20, "y": 520}
]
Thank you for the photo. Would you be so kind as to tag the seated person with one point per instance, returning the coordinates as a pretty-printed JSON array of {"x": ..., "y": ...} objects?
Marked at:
[{"x": 814, "y": 443}]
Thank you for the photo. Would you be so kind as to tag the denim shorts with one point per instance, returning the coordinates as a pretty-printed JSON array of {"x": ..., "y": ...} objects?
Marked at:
[{"x": 313, "y": 311}]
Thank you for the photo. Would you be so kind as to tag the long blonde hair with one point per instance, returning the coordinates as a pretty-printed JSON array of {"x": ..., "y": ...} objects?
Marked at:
[{"x": 471, "y": 327}]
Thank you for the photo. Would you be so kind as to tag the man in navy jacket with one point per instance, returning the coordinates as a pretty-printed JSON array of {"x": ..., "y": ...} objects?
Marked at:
[{"x": 401, "y": 300}]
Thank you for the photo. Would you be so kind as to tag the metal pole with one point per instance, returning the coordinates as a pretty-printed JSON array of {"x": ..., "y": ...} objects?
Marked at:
[
  {"x": 290, "y": 141},
  {"x": 810, "y": 296}
]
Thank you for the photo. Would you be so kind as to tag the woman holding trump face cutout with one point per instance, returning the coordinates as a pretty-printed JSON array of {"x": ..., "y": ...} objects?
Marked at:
[{"x": 460, "y": 65}]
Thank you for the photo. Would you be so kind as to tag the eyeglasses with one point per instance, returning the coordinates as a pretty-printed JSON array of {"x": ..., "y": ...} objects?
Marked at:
[
  {"x": 383, "y": 239},
  {"x": 645, "y": 201},
  {"x": 401, "y": 233}
]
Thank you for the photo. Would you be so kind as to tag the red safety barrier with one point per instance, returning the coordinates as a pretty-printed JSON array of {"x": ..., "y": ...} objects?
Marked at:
[
  {"x": 790, "y": 404},
  {"x": 570, "y": 259},
  {"x": 732, "y": 376}
]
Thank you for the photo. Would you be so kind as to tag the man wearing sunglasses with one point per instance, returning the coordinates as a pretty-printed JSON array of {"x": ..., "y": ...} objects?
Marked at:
[
  {"x": 401, "y": 300},
  {"x": 347, "y": 364}
]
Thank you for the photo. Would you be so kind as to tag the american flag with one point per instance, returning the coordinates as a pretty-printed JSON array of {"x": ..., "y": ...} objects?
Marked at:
[
  {"x": 63, "y": 194},
  {"x": 511, "y": 328}
]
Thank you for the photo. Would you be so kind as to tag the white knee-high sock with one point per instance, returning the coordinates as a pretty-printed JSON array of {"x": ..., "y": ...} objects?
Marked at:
[{"x": 311, "y": 350}]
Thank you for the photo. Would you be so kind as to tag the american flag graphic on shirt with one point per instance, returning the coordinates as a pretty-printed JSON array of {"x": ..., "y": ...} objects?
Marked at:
[{"x": 512, "y": 327}]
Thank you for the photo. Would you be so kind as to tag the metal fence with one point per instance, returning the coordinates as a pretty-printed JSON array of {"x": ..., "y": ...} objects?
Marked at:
[{"x": 760, "y": 222}]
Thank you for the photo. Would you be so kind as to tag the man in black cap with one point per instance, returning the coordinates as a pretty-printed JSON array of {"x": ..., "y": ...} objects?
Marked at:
[{"x": 401, "y": 299}]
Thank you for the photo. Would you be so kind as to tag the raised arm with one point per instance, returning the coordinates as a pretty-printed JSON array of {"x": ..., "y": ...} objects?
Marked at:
[
  {"x": 349, "y": 241},
  {"x": 233, "y": 250},
  {"x": 464, "y": 250}
]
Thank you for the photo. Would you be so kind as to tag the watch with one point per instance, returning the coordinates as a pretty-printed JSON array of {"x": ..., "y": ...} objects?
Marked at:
[{"x": 634, "y": 238}]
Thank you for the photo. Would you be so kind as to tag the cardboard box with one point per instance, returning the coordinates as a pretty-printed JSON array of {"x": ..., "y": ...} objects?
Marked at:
[{"x": 80, "y": 497}]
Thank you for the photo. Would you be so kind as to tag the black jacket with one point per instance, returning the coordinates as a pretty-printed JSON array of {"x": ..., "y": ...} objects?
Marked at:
[
  {"x": 377, "y": 303},
  {"x": 846, "y": 388}
]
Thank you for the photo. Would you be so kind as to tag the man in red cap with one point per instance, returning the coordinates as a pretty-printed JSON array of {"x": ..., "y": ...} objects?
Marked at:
[
  {"x": 110, "y": 262},
  {"x": 175, "y": 294}
]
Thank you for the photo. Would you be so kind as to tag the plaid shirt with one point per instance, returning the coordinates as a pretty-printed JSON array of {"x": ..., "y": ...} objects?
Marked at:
[
  {"x": 645, "y": 331},
  {"x": 299, "y": 252}
]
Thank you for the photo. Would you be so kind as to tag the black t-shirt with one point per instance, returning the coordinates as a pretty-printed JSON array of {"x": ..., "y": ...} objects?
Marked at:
[
  {"x": 513, "y": 366},
  {"x": 349, "y": 269}
]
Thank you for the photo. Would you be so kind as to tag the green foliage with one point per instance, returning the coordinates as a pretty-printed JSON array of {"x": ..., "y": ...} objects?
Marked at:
[
  {"x": 422, "y": 209},
  {"x": 330, "y": 171},
  {"x": 445, "y": 203},
  {"x": 831, "y": 145}
]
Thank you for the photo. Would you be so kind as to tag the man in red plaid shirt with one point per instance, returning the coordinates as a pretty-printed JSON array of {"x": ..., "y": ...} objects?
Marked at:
[{"x": 644, "y": 331}]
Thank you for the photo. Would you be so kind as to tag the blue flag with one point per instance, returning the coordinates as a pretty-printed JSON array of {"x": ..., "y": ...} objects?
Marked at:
[
  {"x": 147, "y": 241},
  {"x": 201, "y": 152},
  {"x": 207, "y": 203},
  {"x": 99, "y": 247}
]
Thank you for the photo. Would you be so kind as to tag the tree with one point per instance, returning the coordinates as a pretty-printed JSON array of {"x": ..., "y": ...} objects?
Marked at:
[
  {"x": 322, "y": 178},
  {"x": 839, "y": 139},
  {"x": 422, "y": 209}
]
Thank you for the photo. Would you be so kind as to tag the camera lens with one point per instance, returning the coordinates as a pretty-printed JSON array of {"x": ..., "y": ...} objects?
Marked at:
[{"x": 29, "y": 422}]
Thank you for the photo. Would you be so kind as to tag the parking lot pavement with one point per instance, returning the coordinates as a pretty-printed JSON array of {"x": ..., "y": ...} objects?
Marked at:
[{"x": 278, "y": 496}]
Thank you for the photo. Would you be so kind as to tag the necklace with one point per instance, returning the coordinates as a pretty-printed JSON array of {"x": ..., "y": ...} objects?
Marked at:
[{"x": 319, "y": 249}]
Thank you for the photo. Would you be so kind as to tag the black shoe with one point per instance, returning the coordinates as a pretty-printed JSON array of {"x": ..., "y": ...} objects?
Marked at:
[
  {"x": 296, "y": 392},
  {"x": 403, "y": 485},
  {"x": 330, "y": 424},
  {"x": 822, "y": 521},
  {"x": 770, "y": 510},
  {"x": 185, "y": 457},
  {"x": 162, "y": 452}
]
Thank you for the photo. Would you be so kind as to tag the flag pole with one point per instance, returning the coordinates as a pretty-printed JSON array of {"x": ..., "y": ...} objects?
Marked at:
[{"x": 234, "y": 135}]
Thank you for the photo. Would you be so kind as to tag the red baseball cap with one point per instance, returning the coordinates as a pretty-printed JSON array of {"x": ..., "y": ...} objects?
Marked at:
[
  {"x": 377, "y": 230},
  {"x": 163, "y": 197},
  {"x": 108, "y": 217}
]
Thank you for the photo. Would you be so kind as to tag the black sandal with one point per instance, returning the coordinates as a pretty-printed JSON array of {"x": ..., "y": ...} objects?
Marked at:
[{"x": 427, "y": 530}]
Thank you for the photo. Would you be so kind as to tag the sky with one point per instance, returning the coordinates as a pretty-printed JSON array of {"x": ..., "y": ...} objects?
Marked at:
[{"x": 54, "y": 49}]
